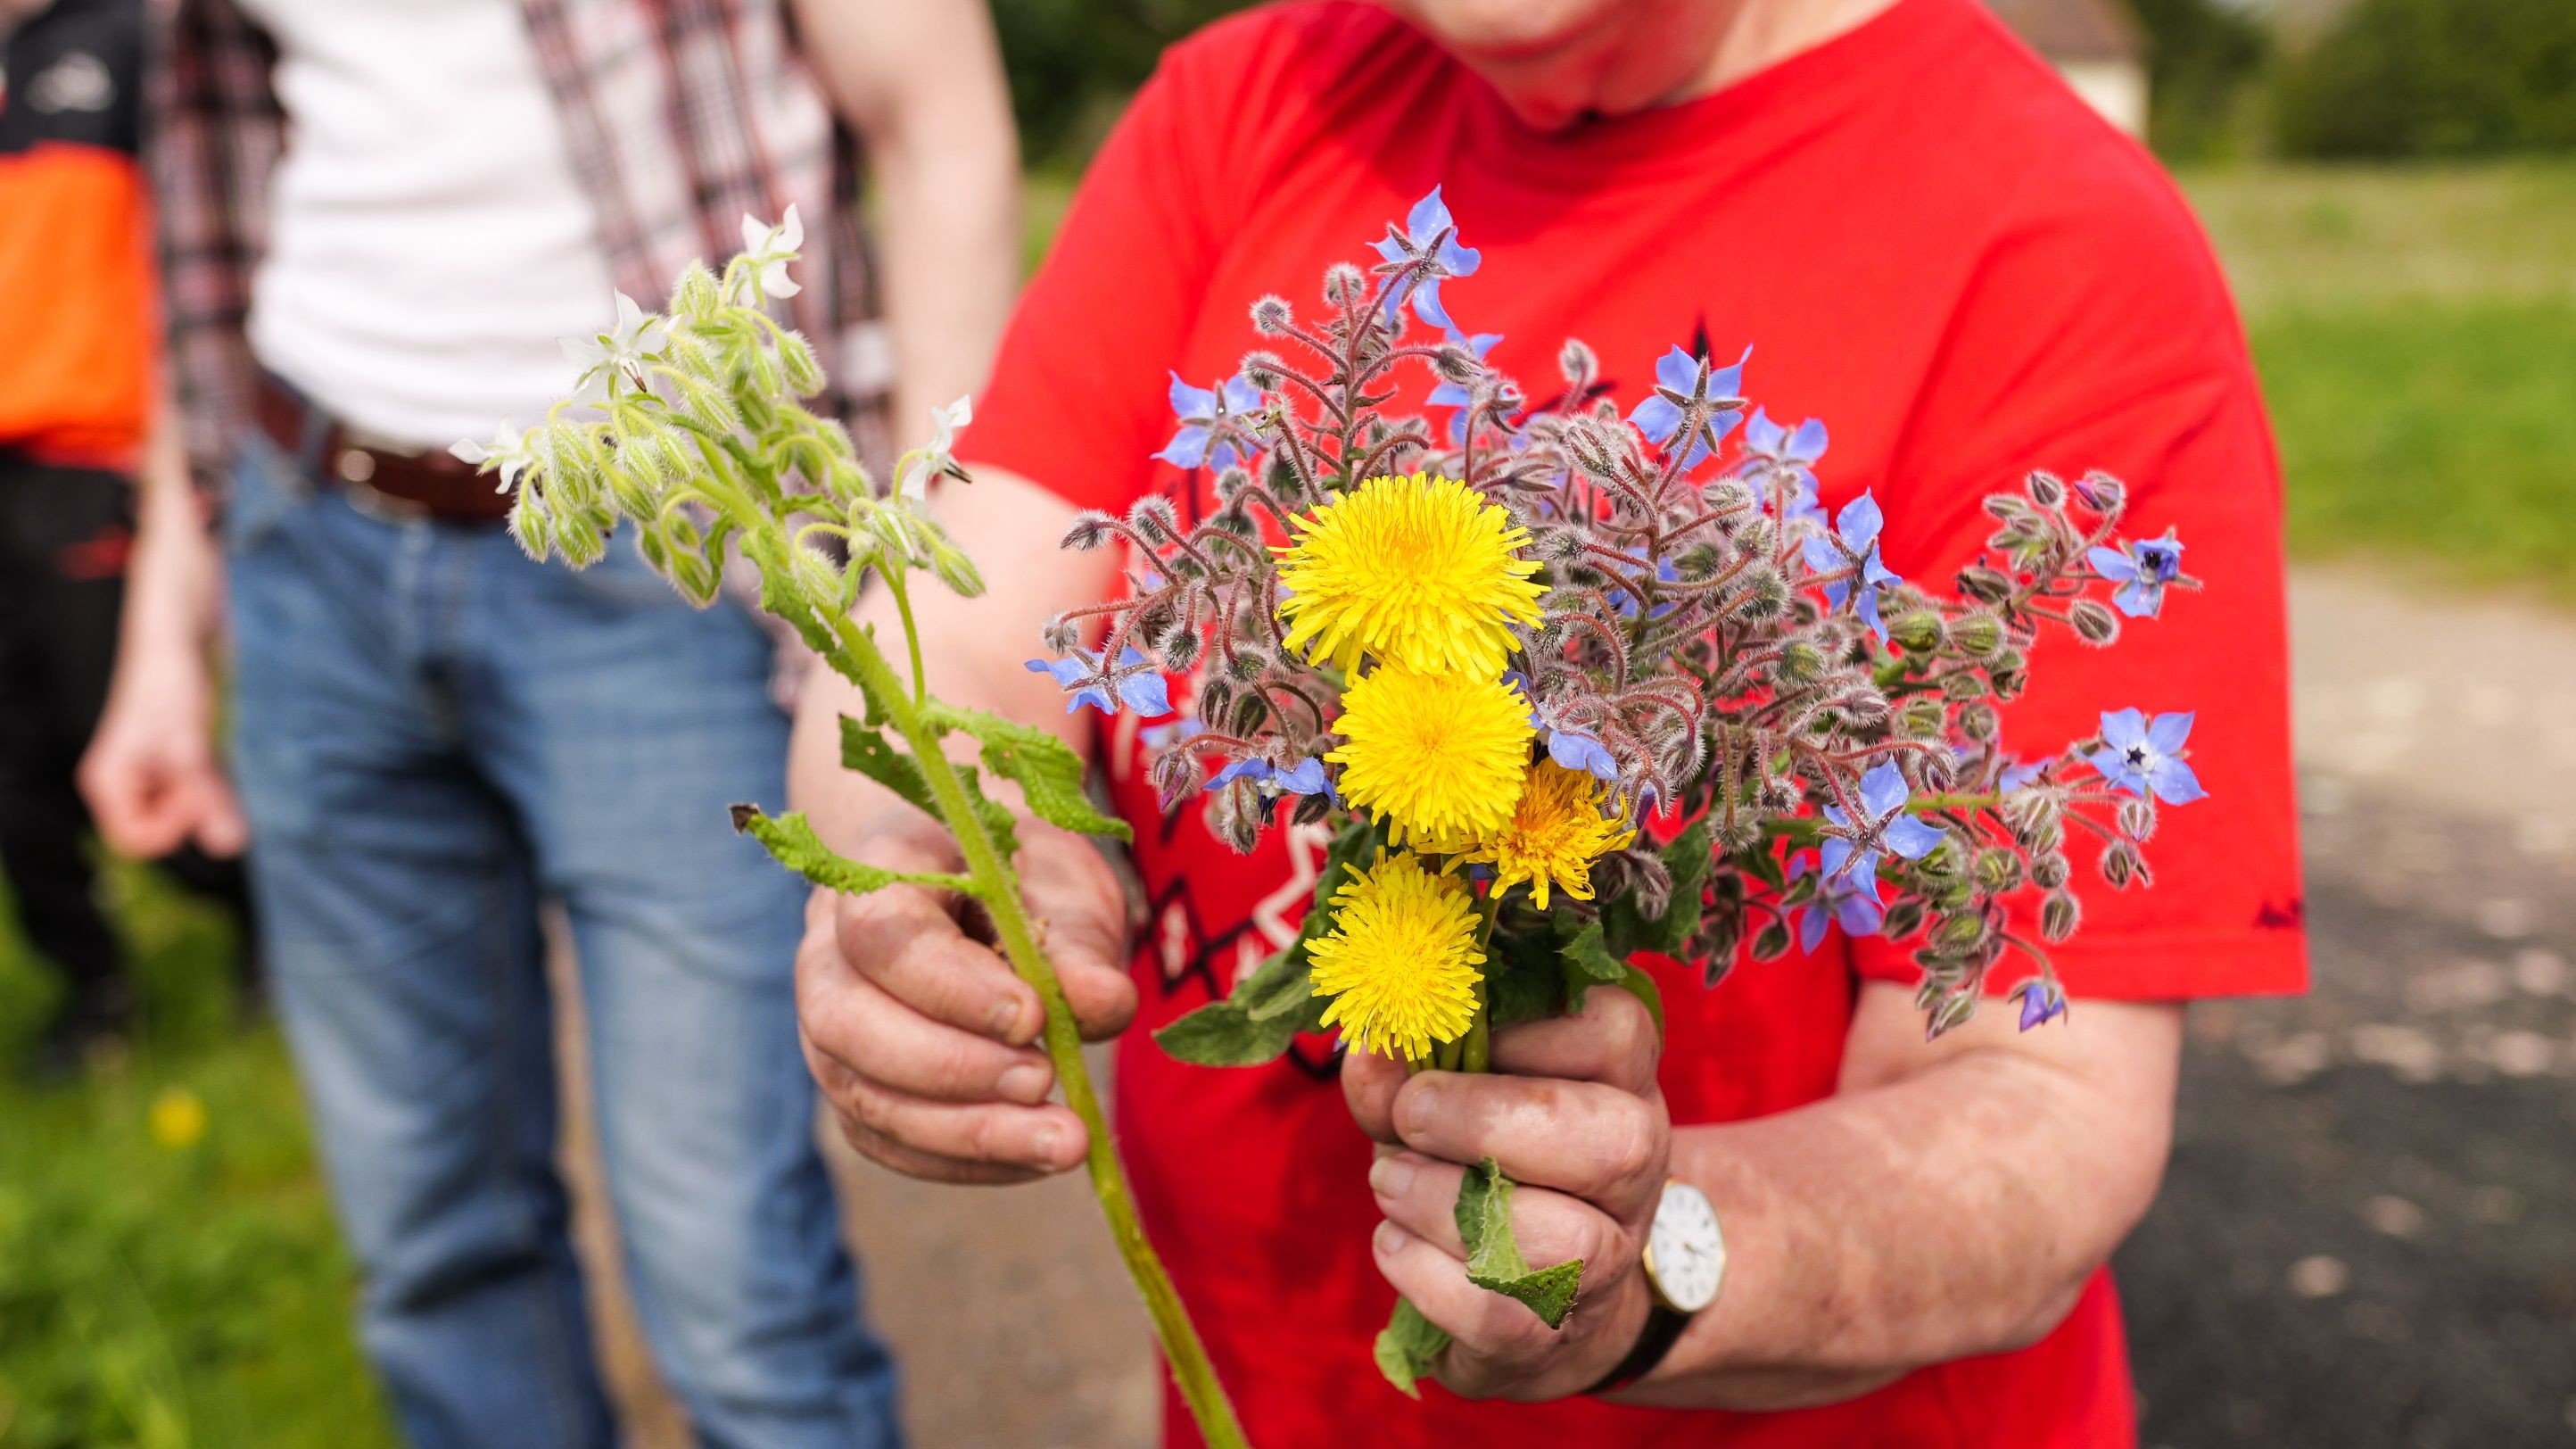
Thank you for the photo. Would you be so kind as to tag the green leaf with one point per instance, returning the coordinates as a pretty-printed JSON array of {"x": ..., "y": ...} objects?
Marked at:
[
  {"x": 1589, "y": 963},
  {"x": 1268, "y": 1009},
  {"x": 794, "y": 845},
  {"x": 1484, "y": 1214},
  {"x": 867, "y": 751},
  {"x": 1407, "y": 1345},
  {"x": 1524, "y": 979},
  {"x": 1049, "y": 773},
  {"x": 1689, "y": 862}
]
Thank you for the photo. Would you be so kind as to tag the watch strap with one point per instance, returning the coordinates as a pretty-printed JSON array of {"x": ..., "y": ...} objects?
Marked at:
[{"x": 1663, "y": 1329}]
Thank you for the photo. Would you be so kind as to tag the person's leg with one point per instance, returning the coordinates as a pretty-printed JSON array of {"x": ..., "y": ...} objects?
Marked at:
[
  {"x": 400, "y": 907},
  {"x": 61, "y": 572},
  {"x": 626, "y": 722}
]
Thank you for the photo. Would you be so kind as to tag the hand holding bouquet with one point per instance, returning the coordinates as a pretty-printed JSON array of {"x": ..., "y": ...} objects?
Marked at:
[{"x": 1567, "y": 687}]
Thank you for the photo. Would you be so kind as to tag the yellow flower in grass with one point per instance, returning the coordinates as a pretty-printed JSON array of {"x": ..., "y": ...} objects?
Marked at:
[
  {"x": 1410, "y": 570},
  {"x": 1437, "y": 755},
  {"x": 1401, "y": 959},
  {"x": 1555, "y": 833},
  {"x": 177, "y": 1119}
]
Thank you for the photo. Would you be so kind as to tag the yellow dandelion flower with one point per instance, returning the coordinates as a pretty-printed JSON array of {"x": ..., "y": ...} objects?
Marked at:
[
  {"x": 1401, "y": 959},
  {"x": 1439, "y": 755},
  {"x": 1410, "y": 570},
  {"x": 1554, "y": 835},
  {"x": 177, "y": 1119}
]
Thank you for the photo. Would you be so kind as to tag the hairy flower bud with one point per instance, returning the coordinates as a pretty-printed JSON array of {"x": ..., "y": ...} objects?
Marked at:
[
  {"x": 1248, "y": 664},
  {"x": 1699, "y": 562},
  {"x": 1977, "y": 636},
  {"x": 1863, "y": 706},
  {"x": 1985, "y": 585},
  {"x": 2046, "y": 489},
  {"x": 2137, "y": 819},
  {"x": 1923, "y": 717},
  {"x": 1801, "y": 662},
  {"x": 1771, "y": 942},
  {"x": 952, "y": 567},
  {"x": 796, "y": 364},
  {"x": 1264, "y": 369},
  {"x": 1918, "y": 631},
  {"x": 1060, "y": 634},
  {"x": 1179, "y": 646},
  {"x": 1344, "y": 285},
  {"x": 1175, "y": 774},
  {"x": 2121, "y": 864},
  {"x": 1997, "y": 870},
  {"x": 1155, "y": 519},
  {"x": 2005, "y": 508},
  {"x": 2059, "y": 915},
  {"x": 1904, "y": 918},
  {"x": 1961, "y": 934},
  {"x": 2048, "y": 870},
  {"x": 1271, "y": 315},
  {"x": 1250, "y": 712},
  {"x": 1954, "y": 1012},
  {"x": 530, "y": 528},
  {"x": 1576, "y": 364},
  {"x": 1765, "y": 594},
  {"x": 2094, "y": 622},
  {"x": 1726, "y": 495},
  {"x": 1964, "y": 684},
  {"x": 1978, "y": 722},
  {"x": 1091, "y": 528},
  {"x": 2102, "y": 493}
]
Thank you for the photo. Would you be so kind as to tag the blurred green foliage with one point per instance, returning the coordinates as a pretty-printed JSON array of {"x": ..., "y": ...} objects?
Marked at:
[
  {"x": 2416, "y": 333},
  {"x": 2434, "y": 78},
  {"x": 179, "y": 1288},
  {"x": 2202, "y": 61},
  {"x": 1073, "y": 63}
]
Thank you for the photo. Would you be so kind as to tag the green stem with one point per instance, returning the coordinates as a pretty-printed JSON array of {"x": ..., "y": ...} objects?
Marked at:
[
  {"x": 1478, "y": 1053},
  {"x": 999, "y": 891},
  {"x": 911, "y": 636}
]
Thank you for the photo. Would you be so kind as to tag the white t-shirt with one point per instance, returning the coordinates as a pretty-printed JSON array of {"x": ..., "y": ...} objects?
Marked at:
[{"x": 428, "y": 240}]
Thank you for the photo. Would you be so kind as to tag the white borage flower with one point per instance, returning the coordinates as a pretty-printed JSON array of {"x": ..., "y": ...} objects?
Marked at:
[
  {"x": 768, "y": 249},
  {"x": 637, "y": 338},
  {"x": 507, "y": 455},
  {"x": 913, "y": 477}
]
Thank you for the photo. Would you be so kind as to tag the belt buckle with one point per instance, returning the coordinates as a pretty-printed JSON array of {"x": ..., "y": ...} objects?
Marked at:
[{"x": 355, "y": 465}]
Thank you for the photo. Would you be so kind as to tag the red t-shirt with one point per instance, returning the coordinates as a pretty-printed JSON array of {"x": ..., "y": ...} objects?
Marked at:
[{"x": 1931, "y": 244}]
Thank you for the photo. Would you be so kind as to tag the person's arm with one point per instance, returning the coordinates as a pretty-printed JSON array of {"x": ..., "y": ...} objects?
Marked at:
[
  {"x": 150, "y": 774},
  {"x": 919, "y": 1034},
  {"x": 1951, "y": 1199},
  {"x": 921, "y": 82}
]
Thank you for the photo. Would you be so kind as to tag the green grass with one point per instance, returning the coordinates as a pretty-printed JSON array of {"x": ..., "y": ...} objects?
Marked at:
[
  {"x": 2416, "y": 332},
  {"x": 166, "y": 1294}
]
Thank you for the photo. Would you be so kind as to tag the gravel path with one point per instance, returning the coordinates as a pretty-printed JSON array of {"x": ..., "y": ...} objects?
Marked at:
[{"x": 2368, "y": 1234}]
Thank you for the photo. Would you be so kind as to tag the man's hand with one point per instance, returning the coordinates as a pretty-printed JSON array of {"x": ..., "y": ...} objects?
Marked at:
[
  {"x": 919, "y": 1032},
  {"x": 1575, "y": 1118},
  {"x": 149, "y": 774}
]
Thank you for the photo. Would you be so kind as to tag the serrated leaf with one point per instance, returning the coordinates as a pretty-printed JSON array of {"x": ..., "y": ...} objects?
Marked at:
[
  {"x": 1524, "y": 980},
  {"x": 1406, "y": 1347},
  {"x": 867, "y": 751},
  {"x": 1484, "y": 1215},
  {"x": 793, "y": 844},
  {"x": 1223, "y": 1034},
  {"x": 1048, "y": 772},
  {"x": 1270, "y": 1008}
]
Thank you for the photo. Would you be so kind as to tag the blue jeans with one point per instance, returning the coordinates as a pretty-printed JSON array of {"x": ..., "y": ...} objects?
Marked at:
[{"x": 434, "y": 735}]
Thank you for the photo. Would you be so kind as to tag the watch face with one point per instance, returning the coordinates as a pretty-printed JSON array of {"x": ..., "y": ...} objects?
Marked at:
[{"x": 1685, "y": 1255}]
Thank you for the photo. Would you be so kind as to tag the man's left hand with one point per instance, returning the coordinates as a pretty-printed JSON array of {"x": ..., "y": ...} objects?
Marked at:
[{"x": 1573, "y": 1116}]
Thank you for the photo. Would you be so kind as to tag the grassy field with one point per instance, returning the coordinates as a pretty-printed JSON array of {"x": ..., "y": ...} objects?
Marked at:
[
  {"x": 2416, "y": 331},
  {"x": 168, "y": 1272}
]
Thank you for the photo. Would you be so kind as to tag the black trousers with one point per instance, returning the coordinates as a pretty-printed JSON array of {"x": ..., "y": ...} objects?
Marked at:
[{"x": 64, "y": 536}]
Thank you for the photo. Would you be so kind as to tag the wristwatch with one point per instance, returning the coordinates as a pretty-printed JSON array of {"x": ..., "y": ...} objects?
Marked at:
[{"x": 1685, "y": 1265}]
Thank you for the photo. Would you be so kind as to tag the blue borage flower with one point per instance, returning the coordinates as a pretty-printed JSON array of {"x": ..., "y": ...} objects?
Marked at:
[
  {"x": 1143, "y": 691},
  {"x": 1681, "y": 379},
  {"x": 1851, "y": 902},
  {"x": 2041, "y": 999},
  {"x": 2141, "y": 570},
  {"x": 2144, "y": 756},
  {"x": 1203, "y": 412},
  {"x": 1421, "y": 256},
  {"x": 1854, "y": 549},
  {"x": 1306, "y": 777},
  {"x": 1786, "y": 459},
  {"x": 1454, "y": 395},
  {"x": 1882, "y": 802}
]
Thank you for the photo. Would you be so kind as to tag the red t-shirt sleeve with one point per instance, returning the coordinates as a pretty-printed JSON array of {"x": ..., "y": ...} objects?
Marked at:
[
  {"x": 1077, "y": 400},
  {"x": 2063, "y": 363}
]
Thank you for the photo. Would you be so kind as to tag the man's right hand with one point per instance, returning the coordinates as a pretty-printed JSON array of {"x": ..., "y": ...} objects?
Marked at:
[
  {"x": 149, "y": 773},
  {"x": 922, "y": 1037}
]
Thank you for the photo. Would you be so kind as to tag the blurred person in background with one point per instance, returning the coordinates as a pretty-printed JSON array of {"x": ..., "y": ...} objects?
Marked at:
[
  {"x": 1940, "y": 249},
  {"x": 378, "y": 217},
  {"x": 75, "y": 375}
]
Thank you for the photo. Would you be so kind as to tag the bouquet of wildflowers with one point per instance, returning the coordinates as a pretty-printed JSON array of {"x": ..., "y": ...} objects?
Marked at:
[{"x": 1568, "y": 685}]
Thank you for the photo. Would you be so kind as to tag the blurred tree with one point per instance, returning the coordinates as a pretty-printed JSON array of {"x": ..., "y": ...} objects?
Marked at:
[
  {"x": 1073, "y": 63},
  {"x": 2421, "y": 78},
  {"x": 2202, "y": 56}
]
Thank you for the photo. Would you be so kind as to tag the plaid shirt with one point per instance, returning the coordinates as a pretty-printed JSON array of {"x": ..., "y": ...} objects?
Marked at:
[{"x": 682, "y": 116}]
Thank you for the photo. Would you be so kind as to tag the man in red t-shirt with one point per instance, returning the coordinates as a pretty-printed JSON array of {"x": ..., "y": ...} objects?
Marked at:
[{"x": 1929, "y": 242}]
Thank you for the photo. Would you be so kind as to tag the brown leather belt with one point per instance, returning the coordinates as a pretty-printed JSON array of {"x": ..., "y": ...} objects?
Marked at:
[{"x": 439, "y": 487}]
